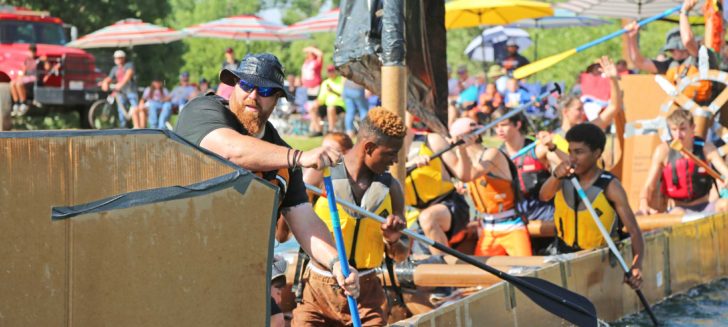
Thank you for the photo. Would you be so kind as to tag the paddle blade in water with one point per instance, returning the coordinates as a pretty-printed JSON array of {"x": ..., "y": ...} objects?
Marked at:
[
  {"x": 573, "y": 307},
  {"x": 542, "y": 64}
]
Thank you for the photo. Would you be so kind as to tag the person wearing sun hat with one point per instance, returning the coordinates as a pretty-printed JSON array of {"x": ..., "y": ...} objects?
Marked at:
[{"x": 238, "y": 130}]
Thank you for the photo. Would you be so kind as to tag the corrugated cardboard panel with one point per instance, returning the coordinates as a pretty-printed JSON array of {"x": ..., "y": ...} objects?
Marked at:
[
  {"x": 183, "y": 262},
  {"x": 39, "y": 170},
  {"x": 528, "y": 313},
  {"x": 593, "y": 275},
  {"x": 642, "y": 101}
]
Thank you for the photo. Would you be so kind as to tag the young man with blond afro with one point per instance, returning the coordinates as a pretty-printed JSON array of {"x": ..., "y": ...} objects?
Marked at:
[{"x": 362, "y": 179}]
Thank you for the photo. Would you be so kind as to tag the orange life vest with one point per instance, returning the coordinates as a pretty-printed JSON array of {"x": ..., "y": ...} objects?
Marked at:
[{"x": 701, "y": 92}]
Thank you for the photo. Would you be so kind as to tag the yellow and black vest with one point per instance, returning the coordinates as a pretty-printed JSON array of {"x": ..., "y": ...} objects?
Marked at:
[
  {"x": 425, "y": 185},
  {"x": 362, "y": 237},
  {"x": 575, "y": 227}
]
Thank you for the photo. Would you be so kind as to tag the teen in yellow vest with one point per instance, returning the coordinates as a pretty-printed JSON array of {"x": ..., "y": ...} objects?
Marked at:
[
  {"x": 576, "y": 229},
  {"x": 361, "y": 179}
]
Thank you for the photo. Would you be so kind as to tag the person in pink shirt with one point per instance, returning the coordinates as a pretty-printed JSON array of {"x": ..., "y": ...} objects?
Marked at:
[{"x": 311, "y": 81}]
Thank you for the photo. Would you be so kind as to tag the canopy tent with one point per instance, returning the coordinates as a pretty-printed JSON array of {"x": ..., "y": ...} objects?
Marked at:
[
  {"x": 127, "y": 33},
  {"x": 247, "y": 28},
  {"x": 620, "y": 8},
  {"x": 325, "y": 22}
]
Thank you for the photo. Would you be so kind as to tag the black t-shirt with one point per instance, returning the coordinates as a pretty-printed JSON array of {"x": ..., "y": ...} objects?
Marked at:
[{"x": 205, "y": 114}]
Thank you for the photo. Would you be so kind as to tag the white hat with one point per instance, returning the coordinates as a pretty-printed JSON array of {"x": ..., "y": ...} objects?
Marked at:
[
  {"x": 279, "y": 267},
  {"x": 119, "y": 54}
]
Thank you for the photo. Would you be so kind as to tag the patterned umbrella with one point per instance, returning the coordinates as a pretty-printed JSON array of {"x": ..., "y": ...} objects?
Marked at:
[
  {"x": 248, "y": 28},
  {"x": 127, "y": 33},
  {"x": 326, "y": 22},
  {"x": 619, "y": 8}
]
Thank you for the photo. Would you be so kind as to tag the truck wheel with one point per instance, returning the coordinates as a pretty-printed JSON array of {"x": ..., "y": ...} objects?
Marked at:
[{"x": 6, "y": 102}]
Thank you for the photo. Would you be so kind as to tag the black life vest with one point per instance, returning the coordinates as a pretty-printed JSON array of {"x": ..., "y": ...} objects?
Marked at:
[{"x": 682, "y": 179}]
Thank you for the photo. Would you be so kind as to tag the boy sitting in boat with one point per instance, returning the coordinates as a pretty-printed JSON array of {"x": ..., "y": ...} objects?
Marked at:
[
  {"x": 361, "y": 179},
  {"x": 443, "y": 212},
  {"x": 575, "y": 228},
  {"x": 683, "y": 180},
  {"x": 492, "y": 183}
]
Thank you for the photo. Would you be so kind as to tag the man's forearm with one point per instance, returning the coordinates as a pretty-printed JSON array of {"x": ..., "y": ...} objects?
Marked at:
[
  {"x": 311, "y": 233},
  {"x": 247, "y": 151}
]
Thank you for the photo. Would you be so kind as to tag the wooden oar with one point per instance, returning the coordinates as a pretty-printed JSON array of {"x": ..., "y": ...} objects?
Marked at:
[
  {"x": 561, "y": 302},
  {"x": 547, "y": 62},
  {"x": 678, "y": 146},
  {"x": 339, "y": 238},
  {"x": 610, "y": 243},
  {"x": 554, "y": 89}
]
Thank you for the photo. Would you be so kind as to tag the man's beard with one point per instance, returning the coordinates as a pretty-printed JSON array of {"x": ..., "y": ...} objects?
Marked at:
[{"x": 253, "y": 121}]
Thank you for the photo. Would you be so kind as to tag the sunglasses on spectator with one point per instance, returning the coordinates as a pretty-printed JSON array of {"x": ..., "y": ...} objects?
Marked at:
[{"x": 262, "y": 91}]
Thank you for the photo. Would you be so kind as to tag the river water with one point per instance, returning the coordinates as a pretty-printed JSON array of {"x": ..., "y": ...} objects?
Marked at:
[{"x": 705, "y": 305}]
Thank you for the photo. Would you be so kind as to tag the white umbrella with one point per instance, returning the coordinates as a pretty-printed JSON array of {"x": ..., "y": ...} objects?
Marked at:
[
  {"x": 325, "y": 22},
  {"x": 127, "y": 33},
  {"x": 491, "y": 43},
  {"x": 620, "y": 8},
  {"x": 247, "y": 27}
]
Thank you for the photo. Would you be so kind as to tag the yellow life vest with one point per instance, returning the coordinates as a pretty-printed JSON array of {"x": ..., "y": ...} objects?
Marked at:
[
  {"x": 425, "y": 184},
  {"x": 576, "y": 228},
  {"x": 362, "y": 236},
  {"x": 560, "y": 142}
]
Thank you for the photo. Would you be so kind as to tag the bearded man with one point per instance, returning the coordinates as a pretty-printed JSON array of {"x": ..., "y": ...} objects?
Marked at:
[{"x": 238, "y": 130}]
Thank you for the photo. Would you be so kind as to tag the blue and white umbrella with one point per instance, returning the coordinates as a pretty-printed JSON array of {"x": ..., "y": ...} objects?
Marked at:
[{"x": 489, "y": 46}]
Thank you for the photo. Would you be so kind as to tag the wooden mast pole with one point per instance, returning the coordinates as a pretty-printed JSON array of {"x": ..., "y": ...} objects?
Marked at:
[{"x": 394, "y": 71}]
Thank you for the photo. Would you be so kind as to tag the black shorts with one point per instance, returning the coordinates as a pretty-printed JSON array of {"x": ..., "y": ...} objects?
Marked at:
[
  {"x": 460, "y": 215},
  {"x": 322, "y": 111}
]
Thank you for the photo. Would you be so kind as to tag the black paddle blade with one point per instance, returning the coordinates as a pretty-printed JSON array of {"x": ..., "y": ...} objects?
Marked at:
[{"x": 573, "y": 307}]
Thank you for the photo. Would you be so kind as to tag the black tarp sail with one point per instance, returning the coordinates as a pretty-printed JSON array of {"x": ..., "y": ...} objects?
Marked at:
[{"x": 359, "y": 54}]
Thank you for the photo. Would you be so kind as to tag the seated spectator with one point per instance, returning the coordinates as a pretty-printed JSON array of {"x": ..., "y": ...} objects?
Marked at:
[
  {"x": 497, "y": 75},
  {"x": 301, "y": 96},
  {"x": 51, "y": 72},
  {"x": 330, "y": 99},
  {"x": 489, "y": 101},
  {"x": 468, "y": 98},
  {"x": 515, "y": 96},
  {"x": 154, "y": 101},
  {"x": 183, "y": 92},
  {"x": 26, "y": 78}
]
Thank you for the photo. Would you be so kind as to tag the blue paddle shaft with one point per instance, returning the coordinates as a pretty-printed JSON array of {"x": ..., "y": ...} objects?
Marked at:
[
  {"x": 524, "y": 150},
  {"x": 622, "y": 31},
  {"x": 339, "y": 239}
]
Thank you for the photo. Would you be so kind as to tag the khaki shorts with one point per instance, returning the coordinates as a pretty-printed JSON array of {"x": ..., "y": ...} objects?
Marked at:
[{"x": 324, "y": 302}]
